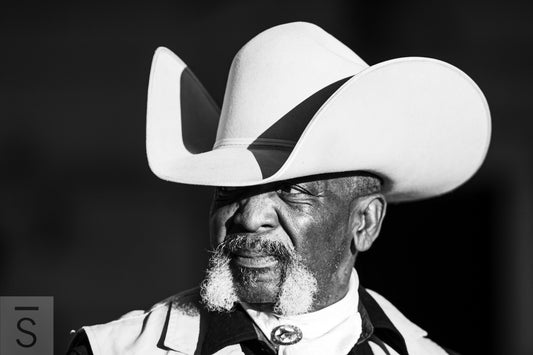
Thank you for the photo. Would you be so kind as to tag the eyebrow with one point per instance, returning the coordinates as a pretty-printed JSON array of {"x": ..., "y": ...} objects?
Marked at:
[{"x": 303, "y": 183}]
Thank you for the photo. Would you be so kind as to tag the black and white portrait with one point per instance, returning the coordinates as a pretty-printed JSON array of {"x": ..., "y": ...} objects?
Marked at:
[{"x": 266, "y": 178}]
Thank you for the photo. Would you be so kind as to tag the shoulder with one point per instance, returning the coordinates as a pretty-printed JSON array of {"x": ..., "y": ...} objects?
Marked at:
[
  {"x": 144, "y": 331},
  {"x": 416, "y": 339}
]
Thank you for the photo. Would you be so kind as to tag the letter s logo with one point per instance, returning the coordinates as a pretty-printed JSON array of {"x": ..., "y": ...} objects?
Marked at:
[{"x": 19, "y": 327}]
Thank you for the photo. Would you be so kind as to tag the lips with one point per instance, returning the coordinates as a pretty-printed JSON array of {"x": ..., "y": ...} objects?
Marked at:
[{"x": 254, "y": 260}]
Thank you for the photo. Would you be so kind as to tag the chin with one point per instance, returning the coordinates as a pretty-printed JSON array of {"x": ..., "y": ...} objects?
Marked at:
[
  {"x": 260, "y": 293},
  {"x": 257, "y": 285}
]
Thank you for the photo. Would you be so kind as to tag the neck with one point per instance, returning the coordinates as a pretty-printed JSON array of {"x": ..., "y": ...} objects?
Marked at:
[{"x": 334, "y": 289}]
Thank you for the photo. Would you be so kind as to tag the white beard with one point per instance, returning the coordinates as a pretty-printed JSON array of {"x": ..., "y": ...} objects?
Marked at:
[
  {"x": 217, "y": 290},
  {"x": 296, "y": 291}
]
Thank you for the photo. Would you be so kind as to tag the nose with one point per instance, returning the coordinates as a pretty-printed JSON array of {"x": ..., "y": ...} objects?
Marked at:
[{"x": 256, "y": 213}]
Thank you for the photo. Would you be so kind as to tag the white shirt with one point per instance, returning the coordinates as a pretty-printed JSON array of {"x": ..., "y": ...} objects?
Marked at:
[{"x": 331, "y": 330}]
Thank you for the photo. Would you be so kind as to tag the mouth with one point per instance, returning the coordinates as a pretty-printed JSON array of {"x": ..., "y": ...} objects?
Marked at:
[{"x": 254, "y": 260}]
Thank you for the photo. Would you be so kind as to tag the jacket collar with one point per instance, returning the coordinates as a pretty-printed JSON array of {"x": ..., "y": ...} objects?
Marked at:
[
  {"x": 378, "y": 324},
  {"x": 218, "y": 330},
  {"x": 225, "y": 329}
]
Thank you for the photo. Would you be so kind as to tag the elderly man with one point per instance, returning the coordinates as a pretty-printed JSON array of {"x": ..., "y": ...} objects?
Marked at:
[{"x": 310, "y": 145}]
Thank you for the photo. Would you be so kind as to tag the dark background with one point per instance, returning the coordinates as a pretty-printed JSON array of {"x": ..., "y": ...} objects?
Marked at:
[{"x": 84, "y": 220}]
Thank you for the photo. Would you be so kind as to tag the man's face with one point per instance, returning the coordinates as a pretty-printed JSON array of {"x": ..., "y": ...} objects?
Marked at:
[{"x": 310, "y": 218}]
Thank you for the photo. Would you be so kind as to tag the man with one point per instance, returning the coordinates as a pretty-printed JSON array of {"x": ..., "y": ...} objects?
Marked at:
[{"x": 310, "y": 145}]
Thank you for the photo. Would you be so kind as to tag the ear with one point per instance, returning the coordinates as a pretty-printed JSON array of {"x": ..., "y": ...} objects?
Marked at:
[{"x": 366, "y": 216}]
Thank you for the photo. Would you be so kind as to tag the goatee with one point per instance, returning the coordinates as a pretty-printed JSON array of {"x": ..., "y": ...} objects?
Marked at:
[{"x": 222, "y": 289}]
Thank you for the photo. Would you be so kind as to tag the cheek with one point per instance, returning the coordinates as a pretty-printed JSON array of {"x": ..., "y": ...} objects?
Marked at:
[
  {"x": 324, "y": 241},
  {"x": 218, "y": 221}
]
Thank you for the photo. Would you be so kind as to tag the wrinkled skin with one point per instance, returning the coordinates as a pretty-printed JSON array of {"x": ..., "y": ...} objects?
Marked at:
[{"x": 320, "y": 219}]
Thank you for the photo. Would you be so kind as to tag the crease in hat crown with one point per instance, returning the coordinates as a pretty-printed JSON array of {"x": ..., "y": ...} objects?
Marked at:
[
  {"x": 298, "y": 102},
  {"x": 273, "y": 73}
]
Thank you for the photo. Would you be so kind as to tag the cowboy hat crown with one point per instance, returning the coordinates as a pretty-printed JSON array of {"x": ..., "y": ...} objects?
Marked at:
[{"x": 298, "y": 102}]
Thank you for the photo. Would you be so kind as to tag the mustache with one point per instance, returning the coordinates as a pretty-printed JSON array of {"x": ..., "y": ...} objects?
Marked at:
[{"x": 266, "y": 245}]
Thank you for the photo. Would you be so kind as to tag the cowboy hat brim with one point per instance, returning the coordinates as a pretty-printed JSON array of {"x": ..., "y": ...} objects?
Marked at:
[{"x": 419, "y": 123}]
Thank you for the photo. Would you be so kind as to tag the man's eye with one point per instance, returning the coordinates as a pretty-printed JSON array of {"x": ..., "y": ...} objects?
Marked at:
[
  {"x": 293, "y": 190},
  {"x": 224, "y": 193}
]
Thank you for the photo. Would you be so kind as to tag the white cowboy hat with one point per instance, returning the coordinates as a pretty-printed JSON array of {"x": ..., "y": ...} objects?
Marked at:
[{"x": 298, "y": 103}]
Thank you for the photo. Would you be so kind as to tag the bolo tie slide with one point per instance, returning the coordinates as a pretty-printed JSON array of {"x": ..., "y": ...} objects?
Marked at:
[{"x": 286, "y": 334}]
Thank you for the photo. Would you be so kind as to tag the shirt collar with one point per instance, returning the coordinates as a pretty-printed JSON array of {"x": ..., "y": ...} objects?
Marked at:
[{"x": 219, "y": 330}]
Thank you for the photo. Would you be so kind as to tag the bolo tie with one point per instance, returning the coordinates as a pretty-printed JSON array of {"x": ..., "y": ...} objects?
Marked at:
[{"x": 286, "y": 334}]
